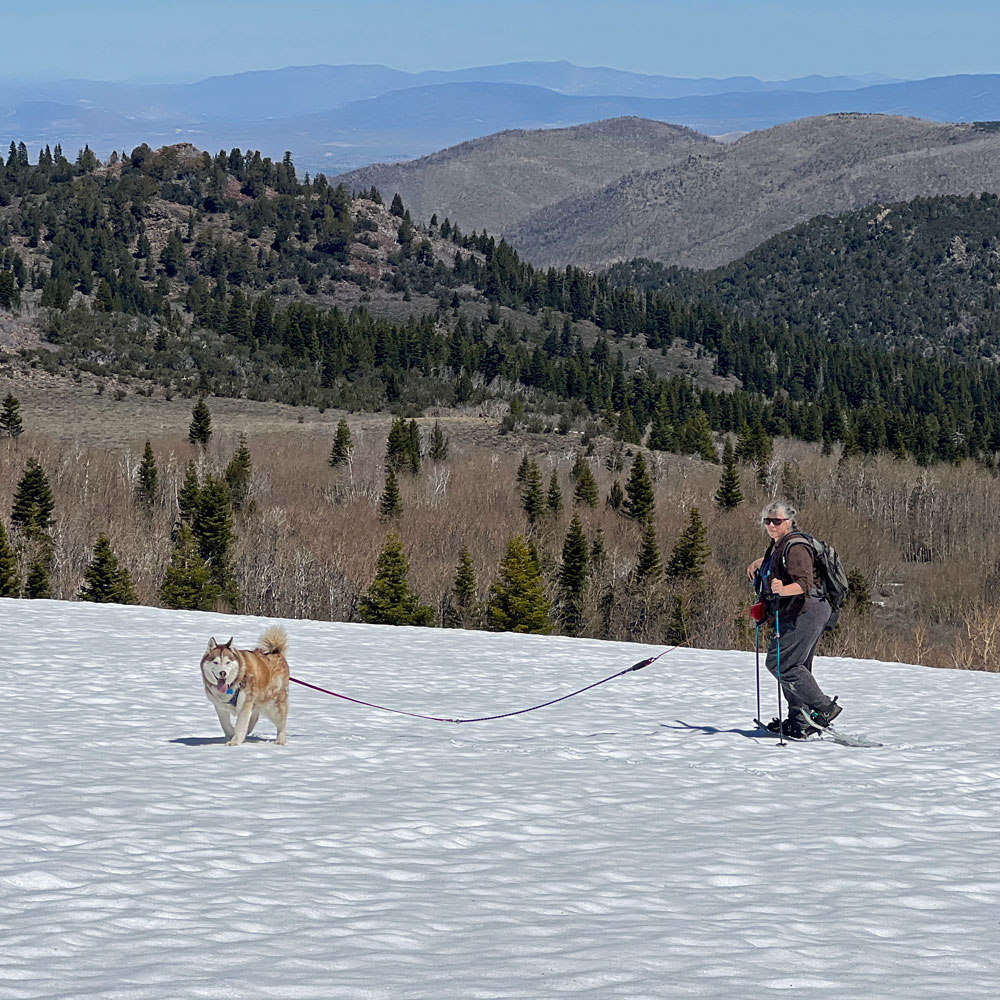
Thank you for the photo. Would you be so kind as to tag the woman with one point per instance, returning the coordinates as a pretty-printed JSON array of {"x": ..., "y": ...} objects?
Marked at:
[{"x": 785, "y": 579}]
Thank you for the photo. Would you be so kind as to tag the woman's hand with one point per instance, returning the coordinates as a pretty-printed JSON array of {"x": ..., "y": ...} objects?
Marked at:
[{"x": 754, "y": 566}]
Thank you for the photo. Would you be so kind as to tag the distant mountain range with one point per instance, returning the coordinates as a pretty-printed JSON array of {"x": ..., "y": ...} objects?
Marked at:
[
  {"x": 334, "y": 118},
  {"x": 610, "y": 191}
]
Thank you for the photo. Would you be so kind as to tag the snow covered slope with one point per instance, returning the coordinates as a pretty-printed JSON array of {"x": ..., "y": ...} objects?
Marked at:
[{"x": 638, "y": 841}]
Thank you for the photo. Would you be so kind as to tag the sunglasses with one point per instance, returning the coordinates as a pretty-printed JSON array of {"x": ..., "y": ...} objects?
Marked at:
[{"x": 776, "y": 520}]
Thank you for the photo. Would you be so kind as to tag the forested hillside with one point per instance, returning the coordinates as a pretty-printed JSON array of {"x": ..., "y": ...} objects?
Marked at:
[
  {"x": 227, "y": 275},
  {"x": 923, "y": 274}
]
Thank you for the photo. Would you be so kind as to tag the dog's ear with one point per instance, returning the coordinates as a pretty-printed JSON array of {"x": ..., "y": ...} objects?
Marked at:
[
  {"x": 228, "y": 645},
  {"x": 211, "y": 645}
]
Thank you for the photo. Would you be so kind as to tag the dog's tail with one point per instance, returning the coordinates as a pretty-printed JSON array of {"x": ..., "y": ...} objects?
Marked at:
[{"x": 273, "y": 640}]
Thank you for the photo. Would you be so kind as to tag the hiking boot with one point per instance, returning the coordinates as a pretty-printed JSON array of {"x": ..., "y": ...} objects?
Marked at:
[
  {"x": 792, "y": 729},
  {"x": 823, "y": 719}
]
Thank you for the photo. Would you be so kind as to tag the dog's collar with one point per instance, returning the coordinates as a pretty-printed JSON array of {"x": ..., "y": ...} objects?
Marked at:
[{"x": 235, "y": 692}]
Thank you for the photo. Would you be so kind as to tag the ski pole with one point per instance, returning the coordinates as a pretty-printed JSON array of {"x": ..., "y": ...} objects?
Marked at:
[
  {"x": 777, "y": 663},
  {"x": 756, "y": 649}
]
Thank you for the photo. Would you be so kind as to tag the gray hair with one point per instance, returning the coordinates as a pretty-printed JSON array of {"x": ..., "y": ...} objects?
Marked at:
[{"x": 779, "y": 508}]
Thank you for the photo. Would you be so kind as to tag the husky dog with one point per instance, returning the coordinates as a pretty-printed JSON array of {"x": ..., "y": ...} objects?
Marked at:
[{"x": 246, "y": 682}]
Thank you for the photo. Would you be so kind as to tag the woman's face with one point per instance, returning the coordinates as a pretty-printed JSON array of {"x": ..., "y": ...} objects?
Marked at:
[{"x": 778, "y": 524}]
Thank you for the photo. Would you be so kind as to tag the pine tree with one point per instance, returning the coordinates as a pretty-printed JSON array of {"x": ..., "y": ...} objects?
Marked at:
[
  {"x": 187, "y": 495},
  {"x": 212, "y": 525},
  {"x": 239, "y": 476},
  {"x": 695, "y": 437},
  {"x": 679, "y": 627},
  {"x": 573, "y": 575},
  {"x": 649, "y": 567},
  {"x": 438, "y": 449},
  {"x": 106, "y": 580},
  {"x": 414, "y": 449},
  {"x": 390, "y": 503},
  {"x": 147, "y": 482},
  {"x": 462, "y": 607},
  {"x": 662, "y": 436},
  {"x": 532, "y": 497},
  {"x": 639, "y": 503},
  {"x": 10, "y": 584},
  {"x": 616, "y": 498},
  {"x": 389, "y": 600},
  {"x": 553, "y": 499},
  {"x": 200, "y": 431},
  {"x": 33, "y": 503},
  {"x": 11, "y": 424},
  {"x": 597, "y": 553},
  {"x": 730, "y": 494},
  {"x": 187, "y": 584},
  {"x": 687, "y": 561},
  {"x": 400, "y": 455},
  {"x": 37, "y": 585},
  {"x": 342, "y": 448},
  {"x": 859, "y": 597},
  {"x": 585, "y": 492},
  {"x": 753, "y": 444},
  {"x": 517, "y": 600},
  {"x": 522, "y": 469}
]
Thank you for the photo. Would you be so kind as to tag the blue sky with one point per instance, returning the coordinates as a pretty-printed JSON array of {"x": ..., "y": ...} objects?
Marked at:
[{"x": 190, "y": 39}]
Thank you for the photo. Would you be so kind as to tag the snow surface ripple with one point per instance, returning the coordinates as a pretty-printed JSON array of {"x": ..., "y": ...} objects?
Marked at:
[{"x": 639, "y": 841}]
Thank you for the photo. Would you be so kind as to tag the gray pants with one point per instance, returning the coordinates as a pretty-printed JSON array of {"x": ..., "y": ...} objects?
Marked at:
[{"x": 797, "y": 643}]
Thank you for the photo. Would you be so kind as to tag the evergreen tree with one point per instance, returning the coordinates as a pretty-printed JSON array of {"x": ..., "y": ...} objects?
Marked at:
[
  {"x": 37, "y": 585},
  {"x": 187, "y": 495},
  {"x": 106, "y": 581},
  {"x": 553, "y": 499},
  {"x": 754, "y": 445},
  {"x": 342, "y": 448},
  {"x": 462, "y": 608},
  {"x": 11, "y": 424},
  {"x": 212, "y": 525},
  {"x": 597, "y": 553},
  {"x": 649, "y": 567},
  {"x": 438, "y": 450},
  {"x": 522, "y": 469},
  {"x": 10, "y": 584},
  {"x": 687, "y": 561},
  {"x": 147, "y": 482},
  {"x": 573, "y": 575},
  {"x": 200, "y": 431},
  {"x": 662, "y": 436},
  {"x": 696, "y": 437},
  {"x": 859, "y": 596},
  {"x": 239, "y": 475},
  {"x": 400, "y": 454},
  {"x": 585, "y": 492},
  {"x": 679, "y": 627},
  {"x": 389, "y": 600},
  {"x": 730, "y": 494},
  {"x": 414, "y": 432},
  {"x": 187, "y": 584},
  {"x": 390, "y": 503},
  {"x": 616, "y": 498},
  {"x": 532, "y": 497},
  {"x": 639, "y": 503},
  {"x": 33, "y": 503},
  {"x": 517, "y": 600}
]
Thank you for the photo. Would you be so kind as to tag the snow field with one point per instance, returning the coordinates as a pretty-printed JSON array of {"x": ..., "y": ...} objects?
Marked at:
[{"x": 638, "y": 841}]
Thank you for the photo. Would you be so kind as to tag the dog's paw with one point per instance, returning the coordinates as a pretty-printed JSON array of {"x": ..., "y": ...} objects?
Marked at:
[
  {"x": 234, "y": 742},
  {"x": 280, "y": 741}
]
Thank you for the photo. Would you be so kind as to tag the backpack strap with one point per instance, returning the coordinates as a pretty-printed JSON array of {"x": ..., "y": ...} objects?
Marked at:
[{"x": 802, "y": 538}]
